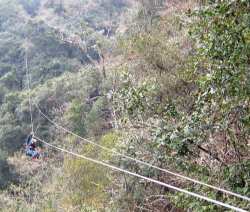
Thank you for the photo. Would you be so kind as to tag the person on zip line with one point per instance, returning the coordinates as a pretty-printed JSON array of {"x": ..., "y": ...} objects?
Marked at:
[{"x": 31, "y": 147}]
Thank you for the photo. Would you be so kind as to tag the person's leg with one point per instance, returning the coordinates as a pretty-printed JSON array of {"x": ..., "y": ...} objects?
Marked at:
[
  {"x": 35, "y": 154},
  {"x": 29, "y": 152}
]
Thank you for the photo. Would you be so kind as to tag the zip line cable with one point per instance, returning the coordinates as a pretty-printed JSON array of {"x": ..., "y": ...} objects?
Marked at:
[
  {"x": 143, "y": 177},
  {"x": 142, "y": 162},
  {"x": 29, "y": 90}
]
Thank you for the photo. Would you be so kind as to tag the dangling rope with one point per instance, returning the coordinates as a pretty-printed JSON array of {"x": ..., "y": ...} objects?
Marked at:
[
  {"x": 29, "y": 90},
  {"x": 141, "y": 162},
  {"x": 143, "y": 177}
]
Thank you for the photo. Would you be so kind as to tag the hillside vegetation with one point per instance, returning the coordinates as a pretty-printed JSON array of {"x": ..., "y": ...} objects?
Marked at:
[{"x": 164, "y": 82}]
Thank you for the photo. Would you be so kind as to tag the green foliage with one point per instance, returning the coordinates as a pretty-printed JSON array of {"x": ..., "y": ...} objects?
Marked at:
[
  {"x": 106, "y": 10},
  {"x": 97, "y": 117},
  {"x": 4, "y": 169},
  {"x": 31, "y": 6},
  {"x": 11, "y": 133},
  {"x": 88, "y": 183},
  {"x": 164, "y": 50},
  {"x": 134, "y": 100},
  {"x": 221, "y": 74},
  {"x": 237, "y": 177},
  {"x": 182, "y": 201},
  {"x": 177, "y": 102},
  {"x": 66, "y": 89},
  {"x": 77, "y": 114},
  {"x": 221, "y": 69},
  {"x": 225, "y": 52},
  {"x": 202, "y": 105}
]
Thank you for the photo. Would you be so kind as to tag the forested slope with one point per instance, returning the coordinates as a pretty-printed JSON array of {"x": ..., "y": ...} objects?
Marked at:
[{"x": 165, "y": 82}]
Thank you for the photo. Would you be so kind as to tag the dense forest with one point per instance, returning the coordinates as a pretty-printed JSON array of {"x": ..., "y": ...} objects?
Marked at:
[{"x": 166, "y": 82}]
